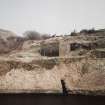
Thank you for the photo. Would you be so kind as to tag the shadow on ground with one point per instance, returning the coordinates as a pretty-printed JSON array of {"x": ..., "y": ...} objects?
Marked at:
[{"x": 50, "y": 99}]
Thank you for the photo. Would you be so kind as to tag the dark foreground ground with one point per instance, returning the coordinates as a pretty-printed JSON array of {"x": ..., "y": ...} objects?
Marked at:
[{"x": 50, "y": 99}]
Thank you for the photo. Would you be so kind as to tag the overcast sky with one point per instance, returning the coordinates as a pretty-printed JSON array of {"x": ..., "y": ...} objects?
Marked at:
[{"x": 51, "y": 16}]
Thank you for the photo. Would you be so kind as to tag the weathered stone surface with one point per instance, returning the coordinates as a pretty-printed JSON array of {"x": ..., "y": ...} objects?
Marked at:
[
  {"x": 80, "y": 65},
  {"x": 86, "y": 75}
]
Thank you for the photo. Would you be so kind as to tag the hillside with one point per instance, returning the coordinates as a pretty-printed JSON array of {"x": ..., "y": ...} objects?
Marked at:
[
  {"x": 76, "y": 62},
  {"x": 8, "y": 41}
]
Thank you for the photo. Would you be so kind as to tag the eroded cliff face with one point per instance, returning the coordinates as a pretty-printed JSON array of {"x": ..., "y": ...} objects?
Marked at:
[
  {"x": 29, "y": 77},
  {"x": 85, "y": 76},
  {"x": 81, "y": 68}
]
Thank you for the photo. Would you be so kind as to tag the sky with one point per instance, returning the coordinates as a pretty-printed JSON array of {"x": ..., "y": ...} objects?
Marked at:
[{"x": 51, "y": 16}]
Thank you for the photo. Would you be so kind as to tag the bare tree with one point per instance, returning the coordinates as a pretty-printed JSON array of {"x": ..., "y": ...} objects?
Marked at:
[
  {"x": 32, "y": 35},
  {"x": 45, "y": 36}
]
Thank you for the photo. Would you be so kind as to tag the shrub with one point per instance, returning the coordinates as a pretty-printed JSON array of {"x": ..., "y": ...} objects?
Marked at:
[
  {"x": 90, "y": 31},
  {"x": 45, "y": 36},
  {"x": 73, "y": 33},
  {"x": 32, "y": 35},
  {"x": 50, "y": 50}
]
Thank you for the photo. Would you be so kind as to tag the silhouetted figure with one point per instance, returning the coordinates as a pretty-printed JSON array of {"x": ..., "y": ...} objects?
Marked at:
[{"x": 65, "y": 92}]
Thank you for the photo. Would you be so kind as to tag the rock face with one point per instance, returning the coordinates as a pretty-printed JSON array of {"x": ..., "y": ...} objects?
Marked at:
[{"x": 77, "y": 68}]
